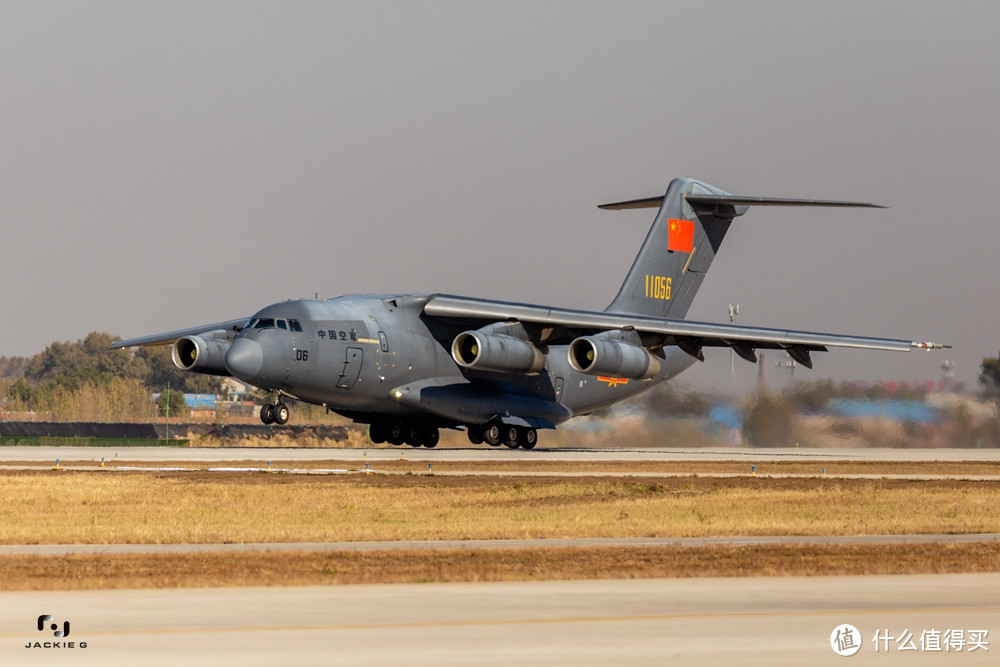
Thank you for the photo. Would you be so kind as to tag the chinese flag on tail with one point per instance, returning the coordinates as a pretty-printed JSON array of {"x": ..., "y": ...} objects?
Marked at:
[{"x": 680, "y": 236}]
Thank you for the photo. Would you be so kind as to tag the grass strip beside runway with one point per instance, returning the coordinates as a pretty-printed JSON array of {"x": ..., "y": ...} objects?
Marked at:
[
  {"x": 102, "y": 507},
  {"x": 76, "y": 572}
]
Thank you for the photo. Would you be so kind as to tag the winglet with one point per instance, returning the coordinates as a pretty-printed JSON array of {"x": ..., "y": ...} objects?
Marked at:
[{"x": 918, "y": 345}]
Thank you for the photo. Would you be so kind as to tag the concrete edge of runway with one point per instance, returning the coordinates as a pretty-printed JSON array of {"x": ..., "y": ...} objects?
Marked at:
[{"x": 443, "y": 545}]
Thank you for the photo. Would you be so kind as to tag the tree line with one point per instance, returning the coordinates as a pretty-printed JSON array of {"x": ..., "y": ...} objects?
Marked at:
[{"x": 87, "y": 381}]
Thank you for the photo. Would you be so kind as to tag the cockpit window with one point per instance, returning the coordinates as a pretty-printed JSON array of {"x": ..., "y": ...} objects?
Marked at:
[{"x": 271, "y": 323}]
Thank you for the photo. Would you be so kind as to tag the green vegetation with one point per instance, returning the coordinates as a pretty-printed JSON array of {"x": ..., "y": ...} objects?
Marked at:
[{"x": 86, "y": 381}]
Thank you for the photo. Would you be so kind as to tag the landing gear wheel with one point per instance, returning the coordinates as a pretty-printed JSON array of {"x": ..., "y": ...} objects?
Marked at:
[
  {"x": 395, "y": 434},
  {"x": 491, "y": 434},
  {"x": 529, "y": 438},
  {"x": 512, "y": 436},
  {"x": 475, "y": 434},
  {"x": 280, "y": 414},
  {"x": 377, "y": 433},
  {"x": 413, "y": 436},
  {"x": 267, "y": 414},
  {"x": 431, "y": 437}
]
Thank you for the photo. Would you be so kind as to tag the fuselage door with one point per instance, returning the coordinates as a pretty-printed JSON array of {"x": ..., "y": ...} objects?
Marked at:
[{"x": 353, "y": 357}]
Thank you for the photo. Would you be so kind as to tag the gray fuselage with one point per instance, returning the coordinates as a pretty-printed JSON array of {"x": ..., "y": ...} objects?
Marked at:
[{"x": 372, "y": 357}]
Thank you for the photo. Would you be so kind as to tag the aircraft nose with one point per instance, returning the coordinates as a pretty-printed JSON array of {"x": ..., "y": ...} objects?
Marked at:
[{"x": 245, "y": 358}]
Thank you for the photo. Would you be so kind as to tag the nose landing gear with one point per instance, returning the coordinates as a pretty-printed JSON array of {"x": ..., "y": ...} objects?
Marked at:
[{"x": 277, "y": 413}]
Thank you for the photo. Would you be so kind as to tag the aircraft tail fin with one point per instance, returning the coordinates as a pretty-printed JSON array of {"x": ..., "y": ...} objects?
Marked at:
[{"x": 686, "y": 234}]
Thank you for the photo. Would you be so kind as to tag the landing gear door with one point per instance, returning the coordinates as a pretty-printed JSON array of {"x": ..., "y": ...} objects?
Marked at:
[{"x": 353, "y": 357}]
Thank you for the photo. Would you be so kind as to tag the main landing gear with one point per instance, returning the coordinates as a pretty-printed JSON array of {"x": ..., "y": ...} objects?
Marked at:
[
  {"x": 397, "y": 433},
  {"x": 415, "y": 434},
  {"x": 274, "y": 414},
  {"x": 496, "y": 433}
]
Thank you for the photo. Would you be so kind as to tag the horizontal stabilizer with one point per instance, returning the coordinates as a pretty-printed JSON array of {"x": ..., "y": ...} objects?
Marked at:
[
  {"x": 735, "y": 200},
  {"x": 649, "y": 202},
  {"x": 738, "y": 200}
]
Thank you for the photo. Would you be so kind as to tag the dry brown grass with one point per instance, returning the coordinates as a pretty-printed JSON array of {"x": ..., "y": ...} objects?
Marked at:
[
  {"x": 204, "y": 507},
  {"x": 210, "y": 507},
  {"x": 330, "y": 568}
]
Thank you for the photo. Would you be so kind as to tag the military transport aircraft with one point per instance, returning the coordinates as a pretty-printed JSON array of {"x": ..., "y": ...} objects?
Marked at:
[{"x": 411, "y": 364}]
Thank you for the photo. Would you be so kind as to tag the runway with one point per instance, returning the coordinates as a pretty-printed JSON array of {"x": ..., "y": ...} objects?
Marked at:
[
  {"x": 385, "y": 453},
  {"x": 622, "y": 622}
]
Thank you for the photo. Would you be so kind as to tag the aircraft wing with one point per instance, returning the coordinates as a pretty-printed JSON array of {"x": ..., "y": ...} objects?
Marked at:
[
  {"x": 230, "y": 327},
  {"x": 689, "y": 336}
]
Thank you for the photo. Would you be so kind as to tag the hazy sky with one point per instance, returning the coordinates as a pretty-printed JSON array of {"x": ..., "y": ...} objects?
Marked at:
[{"x": 164, "y": 165}]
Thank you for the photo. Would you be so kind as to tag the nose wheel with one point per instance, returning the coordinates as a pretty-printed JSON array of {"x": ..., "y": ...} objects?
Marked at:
[{"x": 274, "y": 414}]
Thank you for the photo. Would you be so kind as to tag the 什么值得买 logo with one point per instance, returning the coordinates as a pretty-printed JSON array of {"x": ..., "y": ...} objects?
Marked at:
[{"x": 845, "y": 639}]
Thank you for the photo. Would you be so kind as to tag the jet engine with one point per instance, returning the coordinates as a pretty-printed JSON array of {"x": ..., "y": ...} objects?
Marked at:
[
  {"x": 601, "y": 355},
  {"x": 198, "y": 354},
  {"x": 482, "y": 351}
]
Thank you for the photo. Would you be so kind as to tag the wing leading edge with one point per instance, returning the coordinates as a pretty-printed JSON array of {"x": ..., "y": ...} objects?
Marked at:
[
  {"x": 231, "y": 327},
  {"x": 689, "y": 336}
]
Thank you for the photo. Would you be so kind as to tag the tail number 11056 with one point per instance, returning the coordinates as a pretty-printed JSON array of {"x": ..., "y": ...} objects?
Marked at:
[{"x": 658, "y": 287}]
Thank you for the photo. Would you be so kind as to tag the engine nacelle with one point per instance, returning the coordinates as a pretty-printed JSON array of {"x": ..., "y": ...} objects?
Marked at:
[
  {"x": 197, "y": 354},
  {"x": 597, "y": 355},
  {"x": 481, "y": 351}
]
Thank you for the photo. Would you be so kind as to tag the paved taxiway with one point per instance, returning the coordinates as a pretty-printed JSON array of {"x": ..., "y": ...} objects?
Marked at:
[{"x": 620, "y": 622}]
